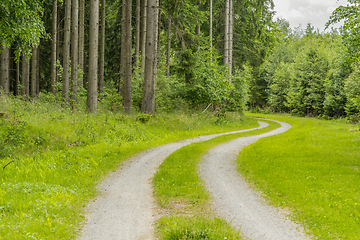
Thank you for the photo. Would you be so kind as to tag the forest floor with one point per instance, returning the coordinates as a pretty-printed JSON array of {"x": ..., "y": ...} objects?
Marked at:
[{"x": 126, "y": 208}]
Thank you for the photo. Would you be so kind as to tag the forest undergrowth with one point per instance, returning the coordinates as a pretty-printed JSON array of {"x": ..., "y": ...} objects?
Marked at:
[{"x": 52, "y": 157}]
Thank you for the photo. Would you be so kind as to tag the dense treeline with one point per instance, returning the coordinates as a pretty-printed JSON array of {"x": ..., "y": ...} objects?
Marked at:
[
  {"x": 165, "y": 55},
  {"x": 140, "y": 54}
]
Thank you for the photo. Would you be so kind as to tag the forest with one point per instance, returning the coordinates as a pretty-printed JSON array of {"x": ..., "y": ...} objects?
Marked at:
[
  {"x": 230, "y": 55},
  {"x": 91, "y": 88}
]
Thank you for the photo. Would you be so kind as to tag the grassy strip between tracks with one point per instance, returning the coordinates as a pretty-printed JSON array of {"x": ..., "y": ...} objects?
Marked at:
[
  {"x": 313, "y": 172},
  {"x": 183, "y": 200}
]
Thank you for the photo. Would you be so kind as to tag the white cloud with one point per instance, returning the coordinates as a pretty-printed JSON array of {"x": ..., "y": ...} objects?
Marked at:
[{"x": 297, "y": 12}]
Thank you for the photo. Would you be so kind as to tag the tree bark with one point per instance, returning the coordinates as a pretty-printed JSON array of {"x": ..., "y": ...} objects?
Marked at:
[
  {"x": 168, "y": 49},
  {"x": 137, "y": 31},
  {"x": 74, "y": 48},
  {"x": 198, "y": 27},
  {"x": 102, "y": 47},
  {"x": 38, "y": 70},
  {"x": 17, "y": 78},
  {"x": 226, "y": 33},
  {"x": 66, "y": 51},
  {"x": 148, "y": 101},
  {"x": 231, "y": 37},
  {"x": 33, "y": 72},
  {"x": 93, "y": 56},
  {"x": 53, "y": 47},
  {"x": 5, "y": 77},
  {"x": 126, "y": 60},
  {"x": 143, "y": 34},
  {"x": 25, "y": 77},
  {"x": 211, "y": 29},
  {"x": 81, "y": 41}
]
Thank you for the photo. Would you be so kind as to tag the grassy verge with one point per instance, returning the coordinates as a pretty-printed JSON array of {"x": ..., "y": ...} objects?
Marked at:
[
  {"x": 52, "y": 158},
  {"x": 312, "y": 170},
  {"x": 182, "y": 197}
]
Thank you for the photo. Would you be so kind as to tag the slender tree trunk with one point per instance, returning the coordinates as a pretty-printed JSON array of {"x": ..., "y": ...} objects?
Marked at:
[
  {"x": 74, "y": 47},
  {"x": 137, "y": 31},
  {"x": 66, "y": 52},
  {"x": 211, "y": 29},
  {"x": 126, "y": 60},
  {"x": 5, "y": 77},
  {"x": 226, "y": 33},
  {"x": 148, "y": 100},
  {"x": 102, "y": 47},
  {"x": 81, "y": 41},
  {"x": 143, "y": 33},
  {"x": 168, "y": 49},
  {"x": 93, "y": 56},
  {"x": 38, "y": 71},
  {"x": 231, "y": 30},
  {"x": 33, "y": 72},
  {"x": 53, "y": 47},
  {"x": 198, "y": 27},
  {"x": 17, "y": 78},
  {"x": 25, "y": 77}
]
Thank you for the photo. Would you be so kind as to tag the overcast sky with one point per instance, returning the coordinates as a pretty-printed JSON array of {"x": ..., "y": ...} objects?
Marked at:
[{"x": 317, "y": 12}]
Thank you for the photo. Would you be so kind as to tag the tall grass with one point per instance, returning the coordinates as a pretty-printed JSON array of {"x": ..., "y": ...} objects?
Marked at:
[
  {"x": 312, "y": 171},
  {"x": 52, "y": 158}
]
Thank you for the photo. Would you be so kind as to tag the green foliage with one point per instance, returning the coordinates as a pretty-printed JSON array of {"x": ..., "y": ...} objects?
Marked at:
[
  {"x": 312, "y": 170},
  {"x": 21, "y": 24},
  {"x": 352, "y": 90}
]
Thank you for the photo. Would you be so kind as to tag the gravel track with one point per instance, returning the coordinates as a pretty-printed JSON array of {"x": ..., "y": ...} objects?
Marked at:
[
  {"x": 126, "y": 208},
  {"x": 236, "y": 202}
]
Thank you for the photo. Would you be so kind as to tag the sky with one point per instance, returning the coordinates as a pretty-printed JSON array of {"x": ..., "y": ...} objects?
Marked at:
[{"x": 317, "y": 12}]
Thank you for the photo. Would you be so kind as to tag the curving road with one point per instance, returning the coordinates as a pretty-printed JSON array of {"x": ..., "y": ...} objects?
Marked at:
[
  {"x": 236, "y": 202},
  {"x": 126, "y": 208}
]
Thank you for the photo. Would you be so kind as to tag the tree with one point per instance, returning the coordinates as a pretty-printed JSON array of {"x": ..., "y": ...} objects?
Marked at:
[
  {"x": 350, "y": 30},
  {"x": 102, "y": 47},
  {"x": 25, "y": 76},
  {"x": 126, "y": 55},
  {"x": 93, "y": 56},
  {"x": 66, "y": 51},
  {"x": 148, "y": 102},
  {"x": 21, "y": 24},
  {"x": 53, "y": 47},
  {"x": 74, "y": 47},
  {"x": 81, "y": 41},
  {"x": 5, "y": 81},
  {"x": 34, "y": 61}
]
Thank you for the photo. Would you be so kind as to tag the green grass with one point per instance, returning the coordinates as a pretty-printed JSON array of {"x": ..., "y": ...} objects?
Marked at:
[
  {"x": 312, "y": 170},
  {"x": 181, "y": 193},
  {"x": 56, "y": 156}
]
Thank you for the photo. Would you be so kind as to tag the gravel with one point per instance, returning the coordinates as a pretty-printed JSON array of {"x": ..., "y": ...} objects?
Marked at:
[
  {"x": 235, "y": 201},
  {"x": 126, "y": 208}
]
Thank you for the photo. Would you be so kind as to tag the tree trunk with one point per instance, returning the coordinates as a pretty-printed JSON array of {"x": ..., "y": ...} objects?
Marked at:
[
  {"x": 143, "y": 34},
  {"x": 226, "y": 33},
  {"x": 25, "y": 77},
  {"x": 74, "y": 47},
  {"x": 148, "y": 100},
  {"x": 231, "y": 30},
  {"x": 17, "y": 78},
  {"x": 53, "y": 47},
  {"x": 93, "y": 56},
  {"x": 33, "y": 72},
  {"x": 137, "y": 31},
  {"x": 66, "y": 51},
  {"x": 102, "y": 47},
  {"x": 38, "y": 71},
  {"x": 168, "y": 49},
  {"x": 198, "y": 27},
  {"x": 5, "y": 77},
  {"x": 81, "y": 41},
  {"x": 211, "y": 29},
  {"x": 126, "y": 60}
]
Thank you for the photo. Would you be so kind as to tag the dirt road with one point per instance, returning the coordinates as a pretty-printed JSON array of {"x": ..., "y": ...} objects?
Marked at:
[
  {"x": 236, "y": 202},
  {"x": 126, "y": 208}
]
